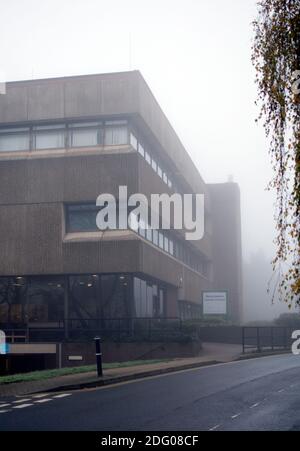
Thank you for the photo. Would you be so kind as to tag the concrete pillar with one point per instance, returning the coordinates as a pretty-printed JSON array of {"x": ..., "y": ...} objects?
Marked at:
[{"x": 172, "y": 302}]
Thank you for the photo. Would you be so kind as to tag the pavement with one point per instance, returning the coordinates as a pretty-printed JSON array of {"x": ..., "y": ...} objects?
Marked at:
[
  {"x": 212, "y": 353},
  {"x": 255, "y": 394}
]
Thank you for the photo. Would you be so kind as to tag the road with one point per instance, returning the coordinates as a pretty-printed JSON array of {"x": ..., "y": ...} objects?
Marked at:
[{"x": 256, "y": 394}]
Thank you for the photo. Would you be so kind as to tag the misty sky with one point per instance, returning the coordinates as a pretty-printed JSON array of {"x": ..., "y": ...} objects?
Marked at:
[{"x": 195, "y": 56}]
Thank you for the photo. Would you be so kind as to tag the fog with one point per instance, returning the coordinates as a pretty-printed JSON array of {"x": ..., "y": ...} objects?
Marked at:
[{"x": 195, "y": 56}]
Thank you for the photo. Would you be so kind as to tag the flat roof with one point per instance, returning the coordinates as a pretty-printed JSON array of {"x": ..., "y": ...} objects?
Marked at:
[{"x": 107, "y": 94}]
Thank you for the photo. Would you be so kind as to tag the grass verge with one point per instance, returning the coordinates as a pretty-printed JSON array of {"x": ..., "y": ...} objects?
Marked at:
[{"x": 48, "y": 374}]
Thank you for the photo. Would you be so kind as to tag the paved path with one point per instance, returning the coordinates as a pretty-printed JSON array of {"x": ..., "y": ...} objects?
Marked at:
[
  {"x": 255, "y": 394},
  {"x": 211, "y": 352}
]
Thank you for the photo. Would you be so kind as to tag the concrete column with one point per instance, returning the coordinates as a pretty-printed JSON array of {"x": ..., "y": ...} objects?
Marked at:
[{"x": 171, "y": 302}]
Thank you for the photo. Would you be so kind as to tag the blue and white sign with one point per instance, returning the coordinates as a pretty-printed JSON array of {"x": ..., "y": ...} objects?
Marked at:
[{"x": 4, "y": 347}]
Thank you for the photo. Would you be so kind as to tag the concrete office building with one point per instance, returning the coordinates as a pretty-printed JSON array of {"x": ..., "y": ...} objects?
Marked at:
[{"x": 63, "y": 142}]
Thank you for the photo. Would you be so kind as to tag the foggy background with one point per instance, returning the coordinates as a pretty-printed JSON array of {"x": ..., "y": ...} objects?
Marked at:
[{"x": 195, "y": 56}]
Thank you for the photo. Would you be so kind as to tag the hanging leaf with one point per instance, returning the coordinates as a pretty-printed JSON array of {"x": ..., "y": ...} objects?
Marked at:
[{"x": 276, "y": 58}]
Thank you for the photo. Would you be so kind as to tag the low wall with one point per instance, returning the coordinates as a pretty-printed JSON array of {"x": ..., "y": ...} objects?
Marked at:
[
  {"x": 77, "y": 354},
  {"x": 29, "y": 357}
]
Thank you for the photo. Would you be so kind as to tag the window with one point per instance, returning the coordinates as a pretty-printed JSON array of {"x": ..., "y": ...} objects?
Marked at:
[
  {"x": 141, "y": 150},
  {"x": 82, "y": 218},
  {"x": 156, "y": 306},
  {"x": 183, "y": 250},
  {"x": 14, "y": 139},
  {"x": 188, "y": 260},
  {"x": 13, "y": 300},
  {"x": 116, "y": 135},
  {"x": 137, "y": 296},
  {"x": 143, "y": 299},
  {"x": 171, "y": 247},
  {"x": 175, "y": 249},
  {"x": 155, "y": 237},
  {"x": 84, "y": 306},
  {"x": 133, "y": 141},
  {"x": 166, "y": 244},
  {"x": 161, "y": 240},
  {"x": 154, "y": 165},
  {"x": 149, "y": 234},
  {"x": 161, "y": 302},
  {"x": 26, "y": 300},
  {"x": 148, "y": 158},
  {"x": 149, "y": 301},
  {"x": 142, "y": 228},
  {"x": 88, "y": 134},
  {"x": 45, "y": 300},
  {"x": 49, "y": 136},
  {"x": 180, "y": 252},
  {"x": 80, "y": 138},
  {"x": 133, "y": 221}
]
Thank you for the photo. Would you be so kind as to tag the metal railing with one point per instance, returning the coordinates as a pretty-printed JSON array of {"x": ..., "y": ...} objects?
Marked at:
[
  {"x": 16, "y": 335},
  {"x": 258, "y": 339},
  {"x": 122, "y": 328},
  {"x": 117, "y": 329}
]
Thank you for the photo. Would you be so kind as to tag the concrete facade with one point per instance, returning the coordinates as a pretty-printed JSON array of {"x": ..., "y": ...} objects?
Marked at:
[{"x": 36, "y": 185}]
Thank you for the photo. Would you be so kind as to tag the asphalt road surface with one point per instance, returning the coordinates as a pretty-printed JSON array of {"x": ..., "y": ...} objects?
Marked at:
[{"x": 258, "y": 394}]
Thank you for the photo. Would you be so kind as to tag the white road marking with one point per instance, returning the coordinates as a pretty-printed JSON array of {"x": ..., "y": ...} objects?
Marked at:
[
  {"x": 41, "y": 395},
  {"x": 22, "y": 406},
  {"x": 21, "y": 400},
  {"x": 41, "y": 401},
  {"x": 62, "y": 395},
  {"x": 255, "y": 405},
  {"x": 215, "y": 427},
  {"x": 235, "y": 416},
  {"x": 280, "y": 391},
  {"x": 23, "y": 403}
]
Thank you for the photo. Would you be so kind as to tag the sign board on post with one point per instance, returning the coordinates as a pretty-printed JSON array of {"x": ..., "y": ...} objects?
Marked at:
[
  {"x": 214, "y": 303},
  {"x": 4, "y": 348}
]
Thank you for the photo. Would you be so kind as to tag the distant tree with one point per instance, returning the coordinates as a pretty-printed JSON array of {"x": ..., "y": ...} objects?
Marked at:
[
  {"x": 257, "y": 272},
  {"x": 276, "y": 58},
  {"x": 291, "y": 320}
]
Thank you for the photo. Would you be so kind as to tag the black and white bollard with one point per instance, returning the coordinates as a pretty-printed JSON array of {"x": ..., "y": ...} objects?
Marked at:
[{"x": 98, "y": 356}]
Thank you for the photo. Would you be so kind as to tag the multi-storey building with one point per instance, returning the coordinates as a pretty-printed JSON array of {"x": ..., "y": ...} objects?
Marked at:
[{"x": 63, "y": 142}]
